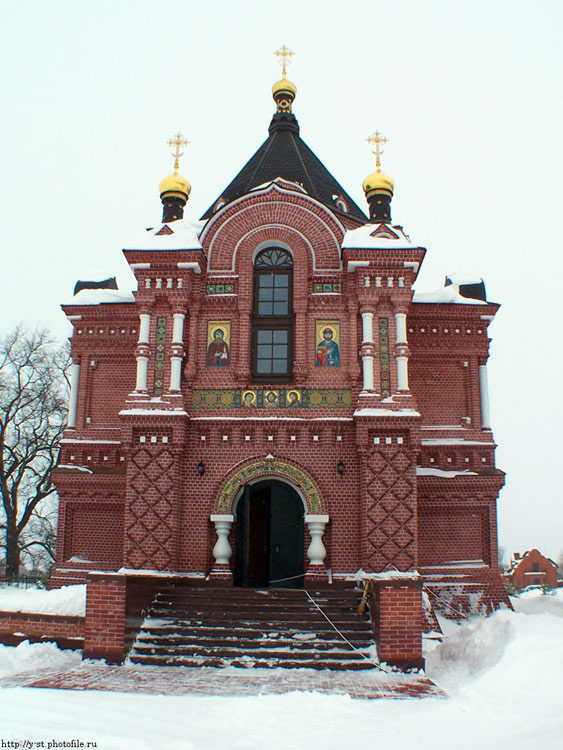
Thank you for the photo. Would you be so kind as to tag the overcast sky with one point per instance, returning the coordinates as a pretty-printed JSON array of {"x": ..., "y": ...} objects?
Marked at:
[{"x": 469, "y": 94}]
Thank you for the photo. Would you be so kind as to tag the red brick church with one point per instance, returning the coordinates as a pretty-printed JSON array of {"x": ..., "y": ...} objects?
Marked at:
[{"x": 273, "y": 408}]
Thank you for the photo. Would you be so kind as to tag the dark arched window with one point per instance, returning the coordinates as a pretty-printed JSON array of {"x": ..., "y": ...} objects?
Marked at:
[{"x": 272, "y": 321}]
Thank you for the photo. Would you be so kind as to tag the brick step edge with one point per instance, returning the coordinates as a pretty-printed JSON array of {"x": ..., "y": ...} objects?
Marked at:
[
  {"x": 259, "y": 651},
  {"x": 250, "y": 626},
  {"x": 255, "y": 663},
  {"x": 293, "y": 595},
  {"x": 322, "y": 644},
  {"x": 240, "y": 615},
  {"x": 251, "y": 606}
]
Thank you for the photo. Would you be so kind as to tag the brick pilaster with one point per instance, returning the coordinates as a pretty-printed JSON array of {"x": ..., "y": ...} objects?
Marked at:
[
  {"x": 397, "y": 613},
  {"x": 104, "y": 626}
]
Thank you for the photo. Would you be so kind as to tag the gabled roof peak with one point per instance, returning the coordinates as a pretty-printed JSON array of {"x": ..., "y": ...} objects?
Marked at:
[{"x": 280, "y": 182}]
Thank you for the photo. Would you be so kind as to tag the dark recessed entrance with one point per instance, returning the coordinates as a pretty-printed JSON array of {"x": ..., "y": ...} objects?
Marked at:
[{"x": 270, "y": 536}]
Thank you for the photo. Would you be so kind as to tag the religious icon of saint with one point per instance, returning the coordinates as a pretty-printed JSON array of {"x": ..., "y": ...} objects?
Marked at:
[
  {"x": 218, "y": 350},
  {"x": 270, "y": 398},
  {"x": 293, "y": 399},
  {"x": 249, "y": 398},
  {"x": 328, "y": 353}
]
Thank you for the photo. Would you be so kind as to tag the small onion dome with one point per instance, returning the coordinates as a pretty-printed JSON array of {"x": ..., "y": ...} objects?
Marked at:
[
  {"x": 176, "y": 185},
  {"x": 286, "y": 87},
  {"x": 378, "y": 183},
  {"x": 284, "y": 93}
]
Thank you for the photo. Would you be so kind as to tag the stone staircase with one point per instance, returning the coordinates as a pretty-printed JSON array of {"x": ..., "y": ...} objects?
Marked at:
[{"x": 222, "y": 627}]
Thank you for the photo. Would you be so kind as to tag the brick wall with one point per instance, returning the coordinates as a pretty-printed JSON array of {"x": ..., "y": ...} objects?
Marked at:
[
  {"x": 465, "y": 591},
  {"x": 448, "y": 534},
  {"x": 91, "y": 511},
  {"x": 67, "y": 631},
  {"x": 457, "y": 519}
]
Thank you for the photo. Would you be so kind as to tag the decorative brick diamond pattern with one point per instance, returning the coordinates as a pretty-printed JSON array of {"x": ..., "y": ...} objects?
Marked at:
[
  {"x": 150, "y": 514},
  {"x": 391, "y": 517}
]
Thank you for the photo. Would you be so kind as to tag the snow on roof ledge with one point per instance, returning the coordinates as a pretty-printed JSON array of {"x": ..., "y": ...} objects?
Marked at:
[
  {"x": 423, "y": 471},
  {"x": 182, "y": 234},
  {"x": 460, "y": 277},
  {"x": 446, "y": 295},
  {"x": 374, "y": 412},
  {"x": 450, "y": 293},
  {"x": 377, "y": 236},
  {"x": 385, "y": 575},
  {"x": 136, "y": 411},
  {"x": 99, "y": 296}
]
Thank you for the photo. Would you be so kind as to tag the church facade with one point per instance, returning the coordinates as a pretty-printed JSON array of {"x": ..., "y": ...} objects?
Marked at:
[{"x": 273, "y": 407}]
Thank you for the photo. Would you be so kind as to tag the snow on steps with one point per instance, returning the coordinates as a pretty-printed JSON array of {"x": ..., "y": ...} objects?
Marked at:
[{"x": 221, "y": 627}]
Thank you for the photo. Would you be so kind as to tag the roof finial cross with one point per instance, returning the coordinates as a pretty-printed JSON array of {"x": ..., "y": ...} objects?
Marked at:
[
  {"x": 177, "y": 141},
  {"x": 284, "y": 55},
  {"x": 376, "y": 139}
]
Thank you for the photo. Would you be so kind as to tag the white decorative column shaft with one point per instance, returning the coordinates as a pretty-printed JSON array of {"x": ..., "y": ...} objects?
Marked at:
[
  {"x": 178, "y": 329},
  {"x": 367, "y": 328},
  {"x": 484, "y": 394},
  {"x": 367, "y": 372},
  {"x": 316, "y": 552},
  {"x": 142, "y": 372},
  {"x": 144, "y": 328},
  {"x": 222, "y": 550},
  {"x": 142, "y": 352},
  {"x": 175, "y": 373},
  {"x": 73, "y": 401},
  {"x": 401, "y": 351},
  {"x": 401, "y": 325},
  {"x": 177, "y": 352},
  {"x": 367, "y": 351}
]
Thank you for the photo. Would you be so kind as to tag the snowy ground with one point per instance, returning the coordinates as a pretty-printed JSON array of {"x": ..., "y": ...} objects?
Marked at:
[
  {"x": 68, "y": 600},
  {"x": 503, "y": 676}
]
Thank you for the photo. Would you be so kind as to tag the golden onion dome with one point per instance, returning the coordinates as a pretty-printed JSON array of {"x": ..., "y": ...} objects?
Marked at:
[
  {"x": 378, "y": 182},
  {"x": 284, "y": 87},
  {"x": 175, "y": 184}
]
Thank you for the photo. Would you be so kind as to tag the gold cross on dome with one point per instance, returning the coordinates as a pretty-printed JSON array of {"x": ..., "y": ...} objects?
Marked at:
[
  {"x": 376, "y": 139},
  {"x": 177, "y": 141},
  {"x": 284, "y": 55}
]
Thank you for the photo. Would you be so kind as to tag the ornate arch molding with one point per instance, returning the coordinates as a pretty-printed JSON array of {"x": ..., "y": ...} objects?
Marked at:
[
  {"x": 270, "y": 467},
  {"x": 301, "y": 213}
]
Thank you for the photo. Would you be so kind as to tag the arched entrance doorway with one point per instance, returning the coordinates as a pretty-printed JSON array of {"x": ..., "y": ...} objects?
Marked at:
[{"x": 269, "y": 536}]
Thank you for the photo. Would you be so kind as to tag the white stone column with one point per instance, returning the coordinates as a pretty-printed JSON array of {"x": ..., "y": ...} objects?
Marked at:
[
  {"x": 316, "y": 552},
  {"x": 178, "y": 330},
  {"x": 484, "y": 394},
  {"x": 222, "y": 550},
  {"x": 175, "y": 373},
  {"x": 143, "y": 352},
  {"x": 367, "y": 351},
  {"x": 144, "y": 328},
  {"x": 402, "y": 373},
  {"x": 177, "y": 352},
  {"x": 401, "y": 328},
  {"x": 401, "y": 352},
  {"x": 73, "y": 401},
  {"x": 142, "y": 372},
  {"x": 367, "y": 372},
  {"x": 367, "y": 328}
]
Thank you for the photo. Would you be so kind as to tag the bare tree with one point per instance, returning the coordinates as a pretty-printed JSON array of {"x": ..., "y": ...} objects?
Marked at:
[{"x": 33, "y": 410}]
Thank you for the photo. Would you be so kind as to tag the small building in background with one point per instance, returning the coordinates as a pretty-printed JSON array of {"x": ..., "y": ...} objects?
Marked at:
[{"x": 531, "y": 569}]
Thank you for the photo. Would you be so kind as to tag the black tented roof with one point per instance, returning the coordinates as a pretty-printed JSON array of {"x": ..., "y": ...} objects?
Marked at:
[{"x": 284, "y": 154}]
